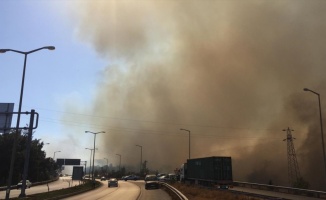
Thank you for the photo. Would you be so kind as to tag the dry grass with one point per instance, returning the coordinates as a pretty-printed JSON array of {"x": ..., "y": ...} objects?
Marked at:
[{"x": 198, "y": 193}]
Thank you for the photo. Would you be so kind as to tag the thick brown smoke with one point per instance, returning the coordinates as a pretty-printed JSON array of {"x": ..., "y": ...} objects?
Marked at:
[{"x": 232, "y": 72}]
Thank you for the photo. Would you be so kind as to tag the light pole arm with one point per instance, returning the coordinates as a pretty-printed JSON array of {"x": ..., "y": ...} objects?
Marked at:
[
  {"x": 27, "y": 52},
  {"x": 306, "y": 89}
]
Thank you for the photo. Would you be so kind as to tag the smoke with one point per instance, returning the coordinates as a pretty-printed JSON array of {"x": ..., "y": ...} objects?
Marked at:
[{"x": 231, "y": 72}]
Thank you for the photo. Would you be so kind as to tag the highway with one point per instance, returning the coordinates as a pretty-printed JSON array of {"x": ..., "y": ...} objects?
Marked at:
[{"x": 127, "y": 190}]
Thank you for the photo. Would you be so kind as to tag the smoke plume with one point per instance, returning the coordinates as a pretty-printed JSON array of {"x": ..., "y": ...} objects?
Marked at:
[{"x": 231, "y": 72}]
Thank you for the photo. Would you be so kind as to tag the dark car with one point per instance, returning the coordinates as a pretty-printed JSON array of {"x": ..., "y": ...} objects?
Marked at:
[
  {"x": 131, "y": 177},
  {"x": 151, "y": 182},
  {"x": 113, "y": 182},
  {"x": 103, "y": 178}
]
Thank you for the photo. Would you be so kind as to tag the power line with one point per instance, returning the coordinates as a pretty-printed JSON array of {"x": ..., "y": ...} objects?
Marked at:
[{"x": 163, "y": 123}]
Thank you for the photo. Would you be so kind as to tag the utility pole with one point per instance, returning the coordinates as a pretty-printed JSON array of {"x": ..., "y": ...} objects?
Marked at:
[
  {"x": 321, "y": 125},
  {"x": 182, "y": 129},
  {"x": 293, "y": 167},
  {"x": 141, "y": 158}
]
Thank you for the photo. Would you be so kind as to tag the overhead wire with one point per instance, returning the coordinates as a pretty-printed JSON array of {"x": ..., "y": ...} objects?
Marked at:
[{"x": 159, "y": 132}]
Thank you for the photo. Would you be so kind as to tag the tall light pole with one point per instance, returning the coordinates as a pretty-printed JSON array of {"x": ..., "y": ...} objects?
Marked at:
[
  {"x": 119, "y": 162},
  {"x": 107, "y": 166},
  {"x": 46, "y": 144},
  {"x": 85, "y": 162},
  {"x": 321, "y": 125},
  {"x": 189, "y": 138},
  {"x": 141, "y": 158},
  {"x": 94, "y": 133},
  {"x": 55, "y": 153},
  {"x": 90, "y": 162},
  {"x": 14, "y": 148}
]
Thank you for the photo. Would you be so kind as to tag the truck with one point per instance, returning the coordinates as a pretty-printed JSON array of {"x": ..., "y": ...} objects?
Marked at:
[{"x": 215, "y": 171}]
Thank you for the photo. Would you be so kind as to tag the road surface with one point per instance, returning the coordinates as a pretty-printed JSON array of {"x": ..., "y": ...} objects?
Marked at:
[{"x": 127, "y": 190}]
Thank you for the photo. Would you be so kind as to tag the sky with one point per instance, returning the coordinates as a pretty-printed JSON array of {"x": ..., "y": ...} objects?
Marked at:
[
  {"x": 54, "y": 79},
  {"x": 231, "y": 72}
]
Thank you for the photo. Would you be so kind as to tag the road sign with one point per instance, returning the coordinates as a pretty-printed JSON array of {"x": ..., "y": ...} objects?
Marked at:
[{"x": 64, "y": 161}]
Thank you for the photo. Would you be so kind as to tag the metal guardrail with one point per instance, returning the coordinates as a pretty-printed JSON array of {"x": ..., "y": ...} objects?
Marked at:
[
  {"x": 281, "y": 189},
  {"x": 175, "y": 191}
]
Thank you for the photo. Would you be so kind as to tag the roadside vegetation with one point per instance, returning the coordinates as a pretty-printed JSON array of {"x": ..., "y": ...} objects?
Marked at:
[
  {"x": 41, "y": 168},
  {"x": 199, "y": 193}
]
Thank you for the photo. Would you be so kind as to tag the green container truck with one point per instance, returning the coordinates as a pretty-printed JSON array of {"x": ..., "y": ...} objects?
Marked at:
[{"x": 210, "y": 171}]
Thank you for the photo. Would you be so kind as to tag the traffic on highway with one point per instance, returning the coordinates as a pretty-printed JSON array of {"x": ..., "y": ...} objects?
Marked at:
[
  {"x": 137, "y": 99},
  {"x": 147, "y": 189},
  {"x": 127, "y": 190}
]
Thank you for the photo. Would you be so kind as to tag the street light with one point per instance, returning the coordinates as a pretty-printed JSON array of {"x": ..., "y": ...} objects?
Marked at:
[
  {"x": 94, "y": 151},
  {"x": 107, "y": 166},
  {"x": 55, "y": 153},
  {"x": 90, "y": 161},
  {"x": 321, "y": 125},
  {"x": 189, "y": 138},
  {"x": 119, "y": 161},
  {"x": 13, "y": 154},
  {"x": 85, "y": 162},
  {"x": 47, "y": 143},
  {"x": 141, "y": 157}
]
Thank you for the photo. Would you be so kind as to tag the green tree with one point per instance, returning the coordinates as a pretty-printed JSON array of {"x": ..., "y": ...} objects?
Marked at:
[
  {"x": 301, "y": 183},
  {"x": 40, "y": 168}
]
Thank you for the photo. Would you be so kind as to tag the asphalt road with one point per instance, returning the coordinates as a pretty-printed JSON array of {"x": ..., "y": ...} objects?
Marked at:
[{"x": 127, "y": 190}]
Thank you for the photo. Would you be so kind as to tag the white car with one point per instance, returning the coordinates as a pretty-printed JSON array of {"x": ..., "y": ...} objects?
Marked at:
[{"x": 28, "y": 184}]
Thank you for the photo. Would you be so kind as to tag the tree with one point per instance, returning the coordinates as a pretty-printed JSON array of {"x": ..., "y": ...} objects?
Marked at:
[
  {"x": 40, "y": 168},
  {"x": 301, "y": 183}
]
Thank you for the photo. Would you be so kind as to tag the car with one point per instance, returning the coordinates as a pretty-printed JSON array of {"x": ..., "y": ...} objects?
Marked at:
[
  {"x": 20, "y": 184},
  {"x": 151, "y": 181},
  {"x": 163, "y": 178},
  {"x": 172, "y": 177},
  {"x": 169, "y": 177},
  {"x": 103, "y": 178},
  {"x": 131, "y": 177},
  {"x": 86, "y": 177},
  {"x": 113, "y": 182},
  {"x": 161, "y": 174}
]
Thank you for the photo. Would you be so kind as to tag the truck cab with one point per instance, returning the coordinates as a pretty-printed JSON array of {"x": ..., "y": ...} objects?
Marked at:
[{"x": 183, "y": 172}]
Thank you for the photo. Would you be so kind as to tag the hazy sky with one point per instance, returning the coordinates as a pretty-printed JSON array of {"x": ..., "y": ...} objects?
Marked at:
[
  {"x": 53, "y": 78},
  {"x": 232, "y": 72}
]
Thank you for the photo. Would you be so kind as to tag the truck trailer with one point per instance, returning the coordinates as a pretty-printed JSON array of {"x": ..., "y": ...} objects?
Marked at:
[{"x": 213, "y": 171}]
